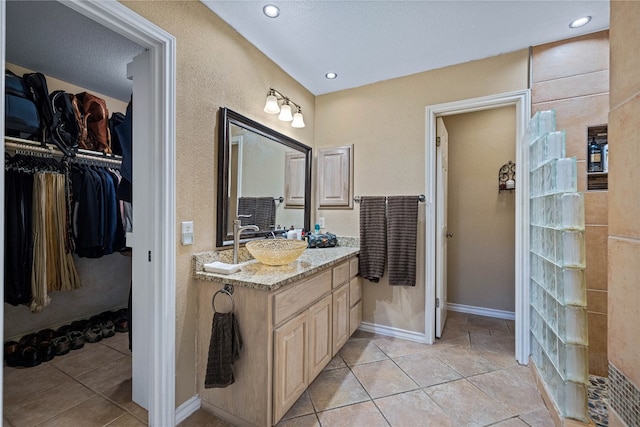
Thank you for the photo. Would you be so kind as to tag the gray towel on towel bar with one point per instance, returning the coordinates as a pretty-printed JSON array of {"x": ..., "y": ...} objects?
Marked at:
[
  {"x": 224, "y": 349},
  {"x": 261, "y": 209},
  {"x": 373, "y": 237},
  {"x": 402, "y": 231}
]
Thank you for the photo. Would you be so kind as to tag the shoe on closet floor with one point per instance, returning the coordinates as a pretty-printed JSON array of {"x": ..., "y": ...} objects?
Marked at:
[
  {"x": 12, "y": 353},
  {"x": 122, "y": 324},
  {"x": 108, "y": 329},
  {"x": 93, "y": 333},
  {"x": 61, "y": 345},
  {"x": 46, "y": 335},
  {"x": 30, "y": 356},
  {"x": 46, "y": 351},
  {"x": 76, "y": 339}
]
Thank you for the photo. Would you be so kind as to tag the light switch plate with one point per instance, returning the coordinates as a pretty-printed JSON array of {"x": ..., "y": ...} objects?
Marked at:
[
  {"x": 321, "y": 222},
  {"x": 187, "y": 233}
]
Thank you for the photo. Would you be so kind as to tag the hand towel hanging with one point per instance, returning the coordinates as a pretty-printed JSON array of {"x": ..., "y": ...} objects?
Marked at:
[
  {"x": 373, "y": 237},
  {"x": 402, "y": 231}
]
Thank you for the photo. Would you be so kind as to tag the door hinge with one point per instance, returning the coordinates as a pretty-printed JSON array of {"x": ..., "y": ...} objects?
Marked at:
[
  {"x": 149, "y": 256},
  {"x": 437, "y": 302},
  {"x": 437, "y": 141}
]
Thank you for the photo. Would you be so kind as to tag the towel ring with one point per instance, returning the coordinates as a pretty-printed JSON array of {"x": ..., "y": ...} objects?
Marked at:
[{"x": 227, "y": 290}]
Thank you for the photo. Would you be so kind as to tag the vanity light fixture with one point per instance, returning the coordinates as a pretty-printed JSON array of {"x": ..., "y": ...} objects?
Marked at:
[
  {"x": 580, "y": 22},
  {"x": 272, "y": 11},
  {"x": 278, "y": 103}
]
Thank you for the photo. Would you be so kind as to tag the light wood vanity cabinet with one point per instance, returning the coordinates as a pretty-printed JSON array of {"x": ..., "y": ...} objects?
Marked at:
[
  {"x": 355, "y": 297},
  {"x": 328, "y": 323},
  {"x": 290, "y": 360},
  {"x": 340, "y": 317},
  {"x": 290, "y": 334}
]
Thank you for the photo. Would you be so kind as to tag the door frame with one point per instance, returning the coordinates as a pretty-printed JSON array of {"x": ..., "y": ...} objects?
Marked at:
[
  {"x": 160, "y": 184},
  {"x": 522, "y": 101}
]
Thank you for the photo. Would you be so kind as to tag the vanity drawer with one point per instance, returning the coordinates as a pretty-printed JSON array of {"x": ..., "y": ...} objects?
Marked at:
[
  {"x": 355, "y": 290},
  {"x": 353, "y": 267},
  {"x": 299, "y": 297},
  {"x": 340, "y": 274}
]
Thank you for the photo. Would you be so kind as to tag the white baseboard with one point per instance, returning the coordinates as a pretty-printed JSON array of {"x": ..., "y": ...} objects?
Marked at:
[
  {"x": 392, "y": 332},
  {"x": 187, "y": 408},
  {"x": 481, "y": 311}
]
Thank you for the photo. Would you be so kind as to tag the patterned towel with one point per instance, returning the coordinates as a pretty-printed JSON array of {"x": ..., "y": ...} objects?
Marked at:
[
  {"x": 224, "y": 349},
  {"x": 373, "y": 237},
  {"x": 402, "y": 231}
]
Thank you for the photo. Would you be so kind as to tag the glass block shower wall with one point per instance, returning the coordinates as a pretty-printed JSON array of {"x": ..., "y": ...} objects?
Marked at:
[{"x": 557, "y": 287}]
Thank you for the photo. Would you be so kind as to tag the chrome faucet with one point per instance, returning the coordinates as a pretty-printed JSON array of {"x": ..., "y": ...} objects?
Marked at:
[{"x": 237, "y": 231}]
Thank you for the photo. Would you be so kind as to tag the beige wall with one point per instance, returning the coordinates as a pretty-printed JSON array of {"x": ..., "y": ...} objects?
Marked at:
[
  {"x": 578, "y": 90},
  {"x": 386, "y": 124},
  {"x": 481, "y": 253},
  {"x": 215, "y": 67},
  {"x": 624, "y": 206}
]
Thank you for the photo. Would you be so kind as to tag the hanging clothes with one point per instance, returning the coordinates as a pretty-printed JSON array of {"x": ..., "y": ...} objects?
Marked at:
[
  {"x": 18, "y": 254},
  {"x": 98, "y": 226},
  {"x": 52, "y": 210},
  {"x": 38, "y": 257}
]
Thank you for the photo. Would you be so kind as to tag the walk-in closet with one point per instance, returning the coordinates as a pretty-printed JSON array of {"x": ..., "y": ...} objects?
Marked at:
[{"x": 87, "y": 285}]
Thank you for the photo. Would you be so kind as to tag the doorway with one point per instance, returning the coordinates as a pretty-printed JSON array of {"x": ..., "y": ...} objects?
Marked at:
[
  {"x": 434, "y": 285},
  {"x": 481, "y": 215},
  {"x": 153, "y": 239}
]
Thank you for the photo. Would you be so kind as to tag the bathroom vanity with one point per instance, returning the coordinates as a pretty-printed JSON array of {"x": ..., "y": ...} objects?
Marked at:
[{"x": 293, "y": 319}]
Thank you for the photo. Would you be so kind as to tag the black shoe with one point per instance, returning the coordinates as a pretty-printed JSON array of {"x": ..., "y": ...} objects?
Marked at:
[
  {"x": 93, "y": 333},
  {"x": 108, "y": 329},
  {"x": 122, "y": 324},
  {"x": 61, "y": 345},
  {"x": 46, "y": 351},
  {"x": 76, "y": 339},
  {"x": 12, "y": 353},
  {"x": 30, "y": 357},
  {"x": 46, "y": 335}
]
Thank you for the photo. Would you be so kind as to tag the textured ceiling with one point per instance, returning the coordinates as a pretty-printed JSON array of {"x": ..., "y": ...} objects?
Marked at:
[
  {"x": 48, "y": 37},
  {"x": 363, "y": 41},
  {"x": 369, "y": 41}
]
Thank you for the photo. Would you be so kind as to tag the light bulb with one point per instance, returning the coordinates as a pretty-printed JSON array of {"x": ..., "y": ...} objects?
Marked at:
[
  {"x": 298, "y": 120},
  {"x": 285, "y": 112},
  {"x": 272, "y": 106}
]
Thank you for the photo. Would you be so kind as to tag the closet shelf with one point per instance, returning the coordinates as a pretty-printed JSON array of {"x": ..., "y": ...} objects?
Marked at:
[{"x": 29, "y": 146}]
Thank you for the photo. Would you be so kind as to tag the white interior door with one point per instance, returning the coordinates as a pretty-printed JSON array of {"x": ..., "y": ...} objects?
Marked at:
[{"x": 442, "y": 167}]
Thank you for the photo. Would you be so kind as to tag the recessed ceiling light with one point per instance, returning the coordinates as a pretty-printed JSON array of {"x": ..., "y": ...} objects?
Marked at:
[
  {"x": 580, "y": 22},
  {"x": 331, "y": 75},
  {"x": 271, "y": 10}
]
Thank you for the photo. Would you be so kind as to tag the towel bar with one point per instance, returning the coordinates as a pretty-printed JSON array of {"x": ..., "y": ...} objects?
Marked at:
[
  {"x": 421, "y": 198},
  {"x": 228, "y": 290}
]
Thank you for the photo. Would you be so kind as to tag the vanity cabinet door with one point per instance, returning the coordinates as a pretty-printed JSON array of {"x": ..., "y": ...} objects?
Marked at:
[
  {"x": 340, "y": 317},
  {"x": 320, "y": 336},
  {"x": 290, "y": 359}
]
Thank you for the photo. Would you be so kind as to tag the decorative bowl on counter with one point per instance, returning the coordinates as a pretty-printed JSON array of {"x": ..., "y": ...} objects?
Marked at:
[{"x": 276, "y": 251}]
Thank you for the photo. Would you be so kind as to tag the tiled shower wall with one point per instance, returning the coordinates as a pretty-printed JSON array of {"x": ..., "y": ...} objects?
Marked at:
[
  {"x": 572, "y": 77},
  {"x": 624, "y": 216}
]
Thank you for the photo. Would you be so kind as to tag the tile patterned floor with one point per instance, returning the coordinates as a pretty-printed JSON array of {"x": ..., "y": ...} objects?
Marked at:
[
  {"x": 86, "y": 387},
  {"x": 468, "y": 378}
]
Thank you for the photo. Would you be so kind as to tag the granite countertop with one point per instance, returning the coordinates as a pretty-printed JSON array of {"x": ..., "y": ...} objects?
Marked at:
[{"x": 256, "y": 275}]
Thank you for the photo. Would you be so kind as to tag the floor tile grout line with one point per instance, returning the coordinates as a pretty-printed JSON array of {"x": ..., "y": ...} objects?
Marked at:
[{"x": 95, "y": 392}]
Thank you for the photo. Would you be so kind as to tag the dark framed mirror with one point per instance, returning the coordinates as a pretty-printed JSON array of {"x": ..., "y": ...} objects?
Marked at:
[{"x": 261, "y": 173}]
